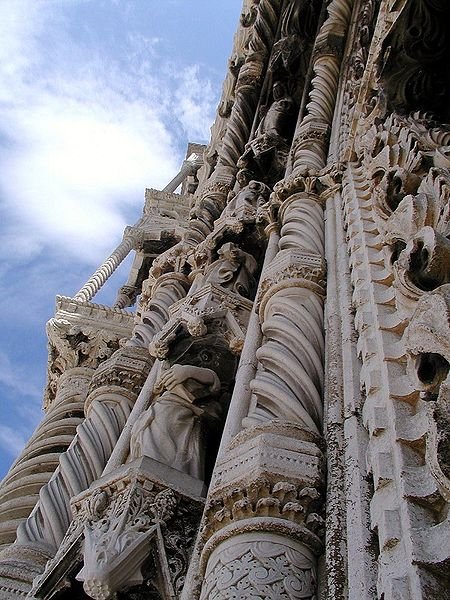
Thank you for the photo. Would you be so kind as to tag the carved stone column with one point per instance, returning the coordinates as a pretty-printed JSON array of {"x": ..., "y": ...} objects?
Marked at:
[
  {"x": 39, "y": 459},
  {"x": 254, "y": 516},
  {"x": 78, "y": 342},
  {"x": 155, "y": 303},
  {"x": 114, "y": 389},
  {"x": 262, "y": 529},
  {"x": 104, "y": 272}
]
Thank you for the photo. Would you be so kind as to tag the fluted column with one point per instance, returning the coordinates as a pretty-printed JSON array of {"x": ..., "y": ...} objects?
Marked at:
[{"x": 19, "y": 490}]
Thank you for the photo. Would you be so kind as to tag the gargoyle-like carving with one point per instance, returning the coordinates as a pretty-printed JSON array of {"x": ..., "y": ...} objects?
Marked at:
[
  {"x": 426, "y": 259},
  {"x": 129, "y": 519},
  {"x": 427, "y": 340}
]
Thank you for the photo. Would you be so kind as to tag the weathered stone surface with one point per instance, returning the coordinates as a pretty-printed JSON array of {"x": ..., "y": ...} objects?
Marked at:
[{"x": 299, "y": 286}]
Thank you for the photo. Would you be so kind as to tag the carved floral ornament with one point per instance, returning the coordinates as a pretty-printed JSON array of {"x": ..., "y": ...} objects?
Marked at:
[
  {"x": 262, "y": 566},
  {"x": 75, "y": 345},
  {"x": 125, "y": 520}
]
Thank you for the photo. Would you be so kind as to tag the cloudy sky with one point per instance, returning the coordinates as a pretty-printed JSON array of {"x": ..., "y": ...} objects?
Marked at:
[{"x": 98, "y": 99}]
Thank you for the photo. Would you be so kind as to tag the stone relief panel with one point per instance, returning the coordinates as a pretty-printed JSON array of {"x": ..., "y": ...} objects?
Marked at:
[{"x": 263, "y": 566}]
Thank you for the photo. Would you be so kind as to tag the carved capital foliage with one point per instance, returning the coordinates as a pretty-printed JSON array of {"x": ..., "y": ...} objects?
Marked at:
[
  {"x": 292, "y": 268},
  {"x": 75, "y": 345},
  {"x": 126, "y": 518},
  {"x": 130, "y": 530},
  {"x": 267, "y": 489},
  {"x": 273, "y": 471},
  {"x": 307, "y": 182},
  {"x": 127, "y": 369}
]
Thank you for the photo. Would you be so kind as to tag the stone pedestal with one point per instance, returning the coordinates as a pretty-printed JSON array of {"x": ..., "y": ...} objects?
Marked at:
[
  {"x": 262, "y": 529},
  {"x": 133, "y": 528}
]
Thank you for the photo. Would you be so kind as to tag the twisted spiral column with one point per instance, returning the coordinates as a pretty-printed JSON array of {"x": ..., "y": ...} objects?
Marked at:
[
  {"x": 103, "y": 273},
  {"x": 168, "y": 289},
  {"x": 114, "y": 389},
  {"x": 310, "y": 145},
  {"x": 288, "y": 384},
  {"x": 249, "y": 83},
  {"x": 39, "y": 459}
]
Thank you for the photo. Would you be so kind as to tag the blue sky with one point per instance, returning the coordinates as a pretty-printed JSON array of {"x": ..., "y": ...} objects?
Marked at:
[{"x": 98, "y": 99}]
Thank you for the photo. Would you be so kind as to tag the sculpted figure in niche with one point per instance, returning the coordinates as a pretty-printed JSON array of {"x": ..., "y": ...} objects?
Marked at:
[
  {"x": 266, "y": 154},
  {"x": 277, "y": 121},
  {"x": 247, "y": 200},
  {"x": 170, "y": 430},
  {"x": 233, "y": 270}
]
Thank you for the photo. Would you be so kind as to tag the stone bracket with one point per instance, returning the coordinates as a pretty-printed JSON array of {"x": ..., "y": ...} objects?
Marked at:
[{"x": 198, "y": 311}]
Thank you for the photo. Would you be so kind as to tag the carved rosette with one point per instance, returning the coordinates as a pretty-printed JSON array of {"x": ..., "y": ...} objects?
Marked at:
[{"x": 122, "y": 375}]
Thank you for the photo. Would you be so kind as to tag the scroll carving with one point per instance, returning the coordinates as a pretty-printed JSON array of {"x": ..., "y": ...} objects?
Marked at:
[{"x": 268, "y": 568}]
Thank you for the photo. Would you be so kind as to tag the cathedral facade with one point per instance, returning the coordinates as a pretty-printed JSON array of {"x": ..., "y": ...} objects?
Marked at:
[{"x": 264, "y": 412}]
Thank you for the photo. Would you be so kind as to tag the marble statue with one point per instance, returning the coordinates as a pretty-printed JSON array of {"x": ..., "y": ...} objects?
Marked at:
[
  {"x": 234, "y": 269},
  {"x": 170, "y": 430},
  {"x": 247, "y": 200}
]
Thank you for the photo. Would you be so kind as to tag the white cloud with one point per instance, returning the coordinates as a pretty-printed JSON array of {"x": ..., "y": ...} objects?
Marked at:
[
  {"x": 83, "y": 131},
  {"x": 85, "y": 136},
  {"x": 195, "y": 103}
]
